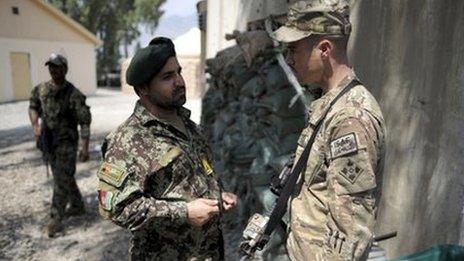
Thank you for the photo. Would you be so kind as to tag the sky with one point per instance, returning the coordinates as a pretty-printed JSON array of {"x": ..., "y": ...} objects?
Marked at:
[
  {"x": 179, "y": 16},
  {"x": 179, "y": 7}
]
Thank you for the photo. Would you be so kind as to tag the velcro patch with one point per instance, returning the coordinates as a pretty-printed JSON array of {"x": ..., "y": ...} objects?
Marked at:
[
  {"x": 344, "y": 145},
  {"x": 169, "y": 156},
  {"x": 112, "y": 174},
  {"x": 105, "y": 198},
  {"x": 351, "y": 171}
]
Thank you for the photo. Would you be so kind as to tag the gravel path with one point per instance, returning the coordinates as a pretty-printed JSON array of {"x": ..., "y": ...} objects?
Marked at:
[{"x": 26, "y": 190}]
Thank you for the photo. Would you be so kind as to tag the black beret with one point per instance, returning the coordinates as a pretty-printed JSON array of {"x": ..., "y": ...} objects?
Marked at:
[{"x": 148, "y": 61}]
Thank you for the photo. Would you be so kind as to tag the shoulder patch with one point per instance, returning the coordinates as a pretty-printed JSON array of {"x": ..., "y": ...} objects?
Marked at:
[
  {"x": 169, "y": 156},
  {"x": 351, "y": 171},
  {"x": 106, "y": 199},
  {"x": 344, "y": 145},
  {"x": 112, "y": 174}
]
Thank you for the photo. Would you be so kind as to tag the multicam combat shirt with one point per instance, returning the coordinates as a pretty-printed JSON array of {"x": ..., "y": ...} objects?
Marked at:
[
  {"x": 149, "y": 172},
  {"x": 332, "y": 215}
]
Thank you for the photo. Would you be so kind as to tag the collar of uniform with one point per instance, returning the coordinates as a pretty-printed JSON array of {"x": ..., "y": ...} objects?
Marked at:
[
  {"x": 146, "y": 117},
  {"x": 51, "y": 86},
  {"x": 319, "y": 106}
]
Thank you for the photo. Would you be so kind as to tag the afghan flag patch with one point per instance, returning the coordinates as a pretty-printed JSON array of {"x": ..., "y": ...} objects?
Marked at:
[{"x": 106, "y": 199}]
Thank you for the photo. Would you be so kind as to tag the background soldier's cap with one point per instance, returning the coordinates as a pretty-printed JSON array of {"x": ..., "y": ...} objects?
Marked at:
[
  {"x": 322, "y": 17},
  {"x": 57, "y": 59},
  {"x": 148, "y": 61}
]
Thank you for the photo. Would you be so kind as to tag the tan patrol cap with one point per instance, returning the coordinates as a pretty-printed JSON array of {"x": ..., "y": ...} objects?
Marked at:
[{"x": 322, "y": 17}]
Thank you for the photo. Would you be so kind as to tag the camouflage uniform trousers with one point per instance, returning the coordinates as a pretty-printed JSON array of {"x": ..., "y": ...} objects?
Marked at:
[{"x": 63, "y": 164}]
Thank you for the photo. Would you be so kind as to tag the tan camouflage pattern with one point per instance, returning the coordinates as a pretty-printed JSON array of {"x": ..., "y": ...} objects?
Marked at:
[
  {"x": 47, "y": 101},
  {"x": 321, "y": 17},
  {"x": 151, "y": 170},
  {"x": 332, "y": 217}
]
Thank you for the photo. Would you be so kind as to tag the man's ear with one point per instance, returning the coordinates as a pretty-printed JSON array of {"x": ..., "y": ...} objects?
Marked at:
[{"x": 325, "y": 47}]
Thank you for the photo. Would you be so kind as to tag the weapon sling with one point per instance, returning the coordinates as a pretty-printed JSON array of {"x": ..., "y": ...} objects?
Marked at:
[{"x": 281, "y": 205}]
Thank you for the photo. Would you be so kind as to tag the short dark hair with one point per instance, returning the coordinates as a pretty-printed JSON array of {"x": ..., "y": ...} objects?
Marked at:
[{"x": 339, "y": 41}]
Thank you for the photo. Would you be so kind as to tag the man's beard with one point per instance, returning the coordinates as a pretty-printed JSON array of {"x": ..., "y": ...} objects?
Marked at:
[
  {"x": 177, "y": 99},
  {"x": 178, "y": 96}
]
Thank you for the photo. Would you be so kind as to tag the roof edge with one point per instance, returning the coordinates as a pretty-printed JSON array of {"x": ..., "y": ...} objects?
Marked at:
[{"x": 69, "y": 21}]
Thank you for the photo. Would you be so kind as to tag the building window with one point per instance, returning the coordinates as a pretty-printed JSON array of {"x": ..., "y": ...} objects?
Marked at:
[{"x": 15, "y": 10}]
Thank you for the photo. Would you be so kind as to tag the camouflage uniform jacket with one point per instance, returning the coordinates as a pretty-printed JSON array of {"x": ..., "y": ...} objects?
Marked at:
[
  {"x": 62, "y": 109},
  {"x": 150, "y": 171},
  {"x": 332, "y": 214}
]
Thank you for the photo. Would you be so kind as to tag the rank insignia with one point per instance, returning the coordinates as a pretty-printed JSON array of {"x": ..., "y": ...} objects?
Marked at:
[
  {"x": 351, "y": 171},
  {"x": 206, "y": 166},
  {"x": 105, "y": 198},
  {"x": 344, "y": 145}
]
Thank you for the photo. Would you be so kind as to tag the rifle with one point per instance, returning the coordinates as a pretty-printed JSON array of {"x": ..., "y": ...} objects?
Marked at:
[{"x": 44, "y": 144}]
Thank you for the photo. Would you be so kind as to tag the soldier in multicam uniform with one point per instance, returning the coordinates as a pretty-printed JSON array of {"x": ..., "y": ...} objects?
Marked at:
[
  {"x": 156, "y": 178},
  {"x": 333, "y": 211},
  {"x": 61, "y": 107}
]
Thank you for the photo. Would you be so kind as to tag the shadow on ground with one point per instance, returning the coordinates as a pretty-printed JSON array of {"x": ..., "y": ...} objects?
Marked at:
[{"x": 15, "y": 136}]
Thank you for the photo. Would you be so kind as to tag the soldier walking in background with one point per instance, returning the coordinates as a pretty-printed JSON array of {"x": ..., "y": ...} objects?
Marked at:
[
  {"x": 156, "y": 178},
  {"x": 333, "y": 211},
  {"x": 61, "y": 107}
]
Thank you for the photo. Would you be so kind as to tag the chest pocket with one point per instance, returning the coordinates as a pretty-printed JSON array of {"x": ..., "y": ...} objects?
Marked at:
[
  {"x": 316, "y": 169},
  {"x": 179, "y": 177}
]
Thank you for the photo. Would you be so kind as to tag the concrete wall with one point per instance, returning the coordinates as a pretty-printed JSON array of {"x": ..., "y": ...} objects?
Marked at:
[
  {"x": 222, "y": 18},
  {"x": 81, "y": 63},
  {"x": 225, "y": 16},
  {"x": 411, "y": 56}
]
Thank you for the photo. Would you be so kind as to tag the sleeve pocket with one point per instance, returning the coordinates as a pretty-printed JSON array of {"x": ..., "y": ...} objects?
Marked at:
[
  {"x": 352, "y": 174},
  {"x": 112, "y": 174}
]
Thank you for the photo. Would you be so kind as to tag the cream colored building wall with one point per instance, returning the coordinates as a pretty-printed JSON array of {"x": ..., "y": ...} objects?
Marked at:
[
  {"x": 125, "y": 87},
  {"x": 191, "y": 72},
  {"x": 35, "y": 22},
  {"x": 81, "y": 61}
]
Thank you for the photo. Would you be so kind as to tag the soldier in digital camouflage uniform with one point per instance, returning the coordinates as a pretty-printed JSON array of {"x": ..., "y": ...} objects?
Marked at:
[
  {"x": 156, "y": 178},
  {"x": 61, "y": 107},
  {"x": 333, "y": 211}
]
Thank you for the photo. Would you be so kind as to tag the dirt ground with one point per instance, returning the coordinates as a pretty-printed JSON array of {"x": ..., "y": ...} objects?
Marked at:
[{"x": 26, "y": 190}]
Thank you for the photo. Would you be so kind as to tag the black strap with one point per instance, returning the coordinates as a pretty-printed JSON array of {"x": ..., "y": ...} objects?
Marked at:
[{"x": 281, "y": 205}]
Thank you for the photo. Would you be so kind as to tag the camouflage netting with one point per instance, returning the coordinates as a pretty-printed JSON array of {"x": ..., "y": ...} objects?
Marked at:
[{"x": 252, "y": 130}]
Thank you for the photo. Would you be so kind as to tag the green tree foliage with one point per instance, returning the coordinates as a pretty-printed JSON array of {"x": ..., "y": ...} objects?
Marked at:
[{"x": 116, "y": 22}]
